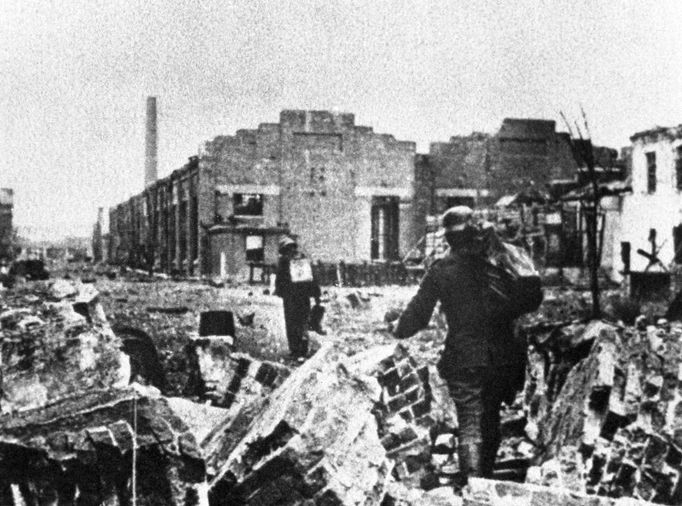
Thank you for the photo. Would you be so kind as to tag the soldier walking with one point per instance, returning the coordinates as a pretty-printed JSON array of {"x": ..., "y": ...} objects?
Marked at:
[
  {"x": 482, "y": 361},
  {"x": 295, "y": 285}
]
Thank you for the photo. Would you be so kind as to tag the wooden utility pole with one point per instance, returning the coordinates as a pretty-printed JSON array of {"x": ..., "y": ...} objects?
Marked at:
[{"x": 583, "y": 154}]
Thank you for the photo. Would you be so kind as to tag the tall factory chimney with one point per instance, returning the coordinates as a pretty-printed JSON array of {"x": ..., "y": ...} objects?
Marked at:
[{"x": 150, "y": 151}]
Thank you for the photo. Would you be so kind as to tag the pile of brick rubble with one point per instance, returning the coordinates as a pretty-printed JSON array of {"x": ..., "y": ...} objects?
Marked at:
[{"x": 599, "y": 416}]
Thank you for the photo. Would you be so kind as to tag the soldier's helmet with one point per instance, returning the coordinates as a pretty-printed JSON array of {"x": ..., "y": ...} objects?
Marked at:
[
  {"x": 285, "y": 243},
  {"x": 457, "y": 218}
]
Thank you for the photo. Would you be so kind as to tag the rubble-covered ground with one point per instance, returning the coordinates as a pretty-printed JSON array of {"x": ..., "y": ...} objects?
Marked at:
[{"x": 365, "y": 420}]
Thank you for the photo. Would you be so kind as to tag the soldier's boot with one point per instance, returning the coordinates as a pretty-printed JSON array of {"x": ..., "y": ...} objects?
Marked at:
[
  {"x": 488, "y": 455},
  {"x": 470, "y": 460},
  {"x": 315, "y": 323}
]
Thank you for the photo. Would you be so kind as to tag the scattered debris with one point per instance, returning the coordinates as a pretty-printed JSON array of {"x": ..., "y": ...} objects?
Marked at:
[
  {"x": 615, "y": 412},
  {"x": 50, "y": 351},
  {"x": 364, "y": 420},
  {"x": 81, "y": 448}
]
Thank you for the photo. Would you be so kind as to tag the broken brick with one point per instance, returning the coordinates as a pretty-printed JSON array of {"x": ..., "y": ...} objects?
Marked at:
[
  {"x": 409, "y": 381},
  {"x": 123, "y": 434},
  {"x": 390, "y": 378},
  {"x": 101, "y": 436},
  {"x": 421, "y": 408}
]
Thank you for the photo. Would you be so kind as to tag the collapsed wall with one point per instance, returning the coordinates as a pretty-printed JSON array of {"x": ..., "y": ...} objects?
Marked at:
[
  {"x": 601, "y": 407},
  {"x": 79, "y": 450},
  {"x": 56, "y": 342},
  {"x": 343, "y": 430},
  {"x": 172, "y": 317},
  {"x": 612, "y": 424}
]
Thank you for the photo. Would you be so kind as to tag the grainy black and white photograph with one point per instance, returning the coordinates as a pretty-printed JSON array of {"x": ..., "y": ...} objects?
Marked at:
[{"x": 349, "y": 252}]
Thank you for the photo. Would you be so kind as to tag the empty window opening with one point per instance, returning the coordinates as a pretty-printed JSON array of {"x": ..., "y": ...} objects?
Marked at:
[
  {"x": 248, "y": 204},
  {"x": 651, "y": 172},
  {"x": 255, "y": 251}
]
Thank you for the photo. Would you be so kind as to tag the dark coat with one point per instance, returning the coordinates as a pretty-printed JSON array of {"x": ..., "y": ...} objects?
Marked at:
[{"x": 480, "y": 321}]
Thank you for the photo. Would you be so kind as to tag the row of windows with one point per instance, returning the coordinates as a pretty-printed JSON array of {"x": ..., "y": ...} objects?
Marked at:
[{"x": 651, "y": 170}]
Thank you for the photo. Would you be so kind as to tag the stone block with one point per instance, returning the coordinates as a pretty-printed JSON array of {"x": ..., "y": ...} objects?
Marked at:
[
  {"x": 101, "y": 436},
  {"x": 404, "y": 367},
  {"x": 390, "y": 441},
  {"x": 390, "y": 378},
  {"x": 188, "y": 446},
  {"x": 408, "y": 381},
  {"x": 406, "y": 414},
  {"x": 655, "y": 452},
  {"x": 421, "y": 408},
  {"x": 162, "y": 430},
  {"x": 397, "y": 403},
  {"x": 266, "y": 374},
  {"x": 414, "y": 395},
  {"x": 62, "y": 288},
  {"x": 123, "y": 434}
]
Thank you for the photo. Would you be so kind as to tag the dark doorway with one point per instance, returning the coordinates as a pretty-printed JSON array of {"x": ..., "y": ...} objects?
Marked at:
[
  {"x": 572, "y": 240},
  {"x": 385, "y": 228},
  {"x": 677, "y": 244}
]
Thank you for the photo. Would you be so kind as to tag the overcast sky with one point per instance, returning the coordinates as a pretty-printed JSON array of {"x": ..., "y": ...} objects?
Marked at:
[{"x": 75, "y": 76}]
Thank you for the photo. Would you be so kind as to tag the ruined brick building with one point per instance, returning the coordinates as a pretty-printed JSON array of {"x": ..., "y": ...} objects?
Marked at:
[
  {"x": 6, "y": 228},
  {"x": 345, "y": 191},
  {"x": 480, "y": 168},
  {"x": 655, "y": 203}
]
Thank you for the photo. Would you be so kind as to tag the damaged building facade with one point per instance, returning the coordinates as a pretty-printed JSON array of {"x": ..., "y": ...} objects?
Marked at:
[
  {"x": 655, "y": 203},
  {"x": 478, "y": 169},
  {"x": 515, "y": 177},
  {"x": 347, "y": 193},
  {"x": 343, "y": 190}
]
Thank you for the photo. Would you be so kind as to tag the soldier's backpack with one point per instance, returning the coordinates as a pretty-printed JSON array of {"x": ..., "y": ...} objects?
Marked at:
[
  {"x": 301, "y": 270},
  {"x": 513, "y": 279}
]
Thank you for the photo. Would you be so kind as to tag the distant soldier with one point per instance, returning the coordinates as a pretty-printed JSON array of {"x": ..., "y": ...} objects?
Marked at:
[
  {"x": 482, "y": 362},
  {"x": 296, "y": 285}
]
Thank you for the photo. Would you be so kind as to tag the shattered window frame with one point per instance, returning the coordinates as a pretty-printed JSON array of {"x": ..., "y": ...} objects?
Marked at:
[{"x": 247, "y": 204}]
